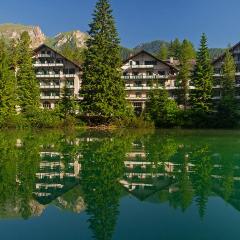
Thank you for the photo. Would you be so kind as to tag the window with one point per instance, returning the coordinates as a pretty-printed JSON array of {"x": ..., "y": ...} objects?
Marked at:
[
  {"x": 216, "y": 93},
  {"x": 216, "y": 81},
  {"x": 162, "y": 73},
  {"x": 138, "y": 94},
  {"x": 135, "y": 73},
  {"x": 149, "y": 73},
  {"x": 43, "y": 52},
  {"x": 237, "y": 80},
  {"x": 138, "y": 83},
  {"x": 137, "y": 62},
  {"x": 47, "y": 105},
  {"x": 70, "y": 83},
  {"x": 48, "y": 52},
  {"x": 71, "y": 71},
  {"x": 58, "y": 60},
  {"x": 150, "y": 62},
  {"x": 137, "y": 104},
  {"x": 217, "y": 70}
]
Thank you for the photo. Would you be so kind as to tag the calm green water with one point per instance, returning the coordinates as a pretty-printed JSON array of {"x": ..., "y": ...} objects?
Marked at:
[{"x": 120, "y": 185}]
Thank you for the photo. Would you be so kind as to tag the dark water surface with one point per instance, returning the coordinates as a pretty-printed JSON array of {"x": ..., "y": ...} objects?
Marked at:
[{"x": 169, "y": 184}]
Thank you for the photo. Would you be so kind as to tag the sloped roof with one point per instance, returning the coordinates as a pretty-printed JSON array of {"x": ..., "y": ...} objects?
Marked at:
[
  {"x": 46, "y": 46},
  {"x": 159, "y": 60},
  {"x": 223, "y": 55}
]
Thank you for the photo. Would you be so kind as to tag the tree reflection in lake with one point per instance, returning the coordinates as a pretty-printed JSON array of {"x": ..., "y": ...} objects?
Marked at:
[{"x": 92, "y": 171}]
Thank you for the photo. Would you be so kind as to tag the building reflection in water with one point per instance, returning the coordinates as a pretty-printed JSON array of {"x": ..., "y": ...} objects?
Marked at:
[{"x": 92, "y": 171}]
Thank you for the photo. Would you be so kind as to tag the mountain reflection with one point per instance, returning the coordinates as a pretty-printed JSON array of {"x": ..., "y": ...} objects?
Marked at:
[{"x": 91, "y": 171}]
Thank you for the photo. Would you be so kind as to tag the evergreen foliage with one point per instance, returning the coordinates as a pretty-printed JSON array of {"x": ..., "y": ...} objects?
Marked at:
[
  {"x": 227, "y": 108},
  {"x": 184, "y": 75},
  {"x": 7, "y": 85},
  {"x": 163, "y": 53},
  {"x": 161, "y": 109},
  {"x": 28, "y": 87},
  {"x": 102, "y": 87},
  {"x": 201, "y": 96},
  {"x": 73, "y": 53},
  {"x": 175, "y": 48}
]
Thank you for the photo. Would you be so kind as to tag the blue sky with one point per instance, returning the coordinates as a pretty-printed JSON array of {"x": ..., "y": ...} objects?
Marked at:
[{"x": 137, "y": 20}]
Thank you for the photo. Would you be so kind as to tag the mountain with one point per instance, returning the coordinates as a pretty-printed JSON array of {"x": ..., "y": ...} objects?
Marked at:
[
  {"x": 151, "y": 47},
  {"x": 154, "y": 47},
  {"x": 13, "y": 31},
  {"x": 78, "y": 39},
  {"x": 72, "y": 38}
]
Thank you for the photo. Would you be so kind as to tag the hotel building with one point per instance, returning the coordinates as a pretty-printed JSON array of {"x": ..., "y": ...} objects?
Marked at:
[
  {"x": 141, "y": 73},
  {"x": 217, "y": 65},
  {"x": 54, "y": 71}
]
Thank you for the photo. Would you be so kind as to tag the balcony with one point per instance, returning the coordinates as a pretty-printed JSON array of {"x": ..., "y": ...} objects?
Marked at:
[
  {"x": 142, "y": 66},
  {"x": 48, "y": 64},
  {"x": 49, "y": 86},
  {"x": 69, "y": 75},
  {"x": 127, "y": 87},
  {"x": 40, "y": 75},
  {"x": 49, "y": 97},
  {"x": 141, "y": 98},
  {"x": 44, "y": 55},
  {"x": 137, "y": 77}
]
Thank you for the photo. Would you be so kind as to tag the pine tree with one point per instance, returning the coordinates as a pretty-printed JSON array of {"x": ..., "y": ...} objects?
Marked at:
[
  {"x": 188, "y": 50},
  {"x": 161, "y": 109},
  {"x": 28, "y": 87},
  {"x": 163, "y": 53},
  {"x": 175, "y": 48},
  {"x": 201, "y": 96},
  {"x": 7, "y": 84},
  {"x": 227, "y": 108},
  {"x": 102, "y": 87},
  {"x": 184, "y": 75},
  {"x": 67, "y": 104}
]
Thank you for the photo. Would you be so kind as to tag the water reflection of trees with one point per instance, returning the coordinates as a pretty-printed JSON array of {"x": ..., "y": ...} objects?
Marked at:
[{"x": 92, "y": 169}]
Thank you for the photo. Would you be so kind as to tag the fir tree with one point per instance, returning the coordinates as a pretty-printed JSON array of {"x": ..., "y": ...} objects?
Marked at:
[
  {"x": 7, "y": 84},
  {"x": 102, "y": 87},
  {"x": 227, "y": 108},
  {"x": 175, "y": 48},
  {"x": 184, "y": 75},
  {"x": 201, "y": 96},
  {"x": 161, "y": 109},
  {"x": 163, "y": 53},
  {"x": 187, "y": 50},
  {"x": 28, "y": 87},
  {"x": 67, "y": 104}
]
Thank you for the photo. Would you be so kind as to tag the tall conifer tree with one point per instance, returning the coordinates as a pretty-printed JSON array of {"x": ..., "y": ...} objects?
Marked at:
[
  {"x": 28, "y": 87},
  {"x": 7, "y": 84},
  {"x": 227, "y": 108},
  {"x": 202, "y": 79},
  {"x": 186, "y": 55},
  {"x": 102, "y": 87},
  {"x": 163, "y": 53}
]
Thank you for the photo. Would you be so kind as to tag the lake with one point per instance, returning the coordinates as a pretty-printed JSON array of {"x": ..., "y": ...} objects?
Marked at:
[{"x": 129, "y": 184}]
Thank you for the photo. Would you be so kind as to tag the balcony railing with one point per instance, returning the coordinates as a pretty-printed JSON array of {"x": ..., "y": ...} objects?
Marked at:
[
  {"x": 69, "y": 75},
  {"x": 136, "y": 98},
  {"x": 49, "y": 86},
  {"x": 48, "y": 64},
  {"x": 38, "y": 75},
  {"x": 44, "y": 55},
  {"x": 133, "y": 77},
  {"x": 49, "y": 97},
  {"x": 149, "y": 87},
  {"x": 141, "y": 66}
]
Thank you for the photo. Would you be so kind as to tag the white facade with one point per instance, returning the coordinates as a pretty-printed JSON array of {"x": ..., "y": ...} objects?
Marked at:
[
  {"x": 141, "y": 73},
  {"x": 53, "y": 72}
]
